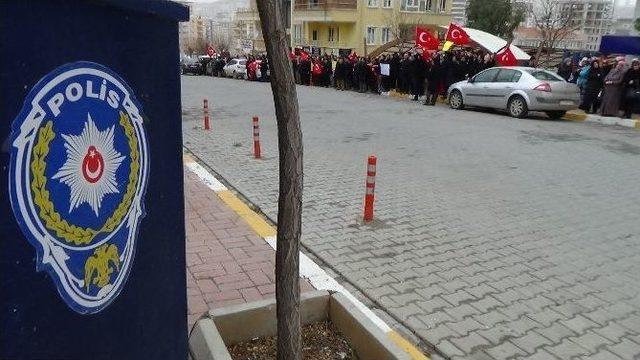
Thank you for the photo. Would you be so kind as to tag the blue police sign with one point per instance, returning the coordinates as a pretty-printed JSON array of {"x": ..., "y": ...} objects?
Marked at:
[{"x": 78, "y": 172}]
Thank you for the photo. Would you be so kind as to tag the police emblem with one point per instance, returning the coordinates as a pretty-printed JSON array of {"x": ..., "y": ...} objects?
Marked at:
[{"x": 79, "y": 168}]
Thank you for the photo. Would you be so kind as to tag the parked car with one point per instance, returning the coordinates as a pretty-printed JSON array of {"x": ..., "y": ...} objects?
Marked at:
[
  {"x": 236, "y": 68},
  {"x": 191, "y": 66},
  {"x": 517, "y": 90}
]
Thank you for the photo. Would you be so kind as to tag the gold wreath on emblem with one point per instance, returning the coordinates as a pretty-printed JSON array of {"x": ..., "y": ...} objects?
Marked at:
[{"x": 51, "y": 218}]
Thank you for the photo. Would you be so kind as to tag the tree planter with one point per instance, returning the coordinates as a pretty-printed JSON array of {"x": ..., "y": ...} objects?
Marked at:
[{"x": 230, "y": 325}]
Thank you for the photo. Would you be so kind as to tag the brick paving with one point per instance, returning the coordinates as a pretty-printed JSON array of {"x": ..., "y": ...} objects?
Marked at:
[
  {"x": 495, "y": 237},
  {"x": 227, "y": 263}
]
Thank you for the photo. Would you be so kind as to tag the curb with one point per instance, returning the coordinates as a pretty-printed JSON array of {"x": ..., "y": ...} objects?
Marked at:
[
  {"x": 309, "y": 270},
  {"x": 612, "y": 120},
  {"x": 577, "y": 117}
]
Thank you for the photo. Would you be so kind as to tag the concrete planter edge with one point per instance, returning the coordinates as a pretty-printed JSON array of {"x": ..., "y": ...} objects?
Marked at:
[{"x": 237, "y": 323}]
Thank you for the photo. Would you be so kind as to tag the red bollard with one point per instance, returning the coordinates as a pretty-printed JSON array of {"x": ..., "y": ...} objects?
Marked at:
[
  {"x": 256, "y": 138},
  {"x": 206, "y": 114},
  {"x": 371, "y": 185}
]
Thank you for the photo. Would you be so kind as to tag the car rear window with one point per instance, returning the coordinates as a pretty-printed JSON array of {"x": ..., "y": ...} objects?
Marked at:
[
  {"x": 544, "y": 75},
  {"x": 243, "y": 62}
]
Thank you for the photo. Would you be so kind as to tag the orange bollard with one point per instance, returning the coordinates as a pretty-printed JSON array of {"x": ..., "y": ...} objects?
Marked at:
[
  {"x": 206, "y": 114},
  {"x": 371, "y": 185},
  {"x": 256, "y": 138}
]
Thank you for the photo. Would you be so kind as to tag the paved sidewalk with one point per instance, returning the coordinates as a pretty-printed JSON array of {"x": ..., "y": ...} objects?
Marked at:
[{"x": 227, "y": 263}]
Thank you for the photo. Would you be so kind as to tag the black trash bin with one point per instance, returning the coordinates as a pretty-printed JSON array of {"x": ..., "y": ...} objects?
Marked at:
[{"x": 91, "y": 180}]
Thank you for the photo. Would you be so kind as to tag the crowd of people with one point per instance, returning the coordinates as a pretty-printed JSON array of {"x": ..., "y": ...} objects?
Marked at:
[
  {"x": 407, "y": 73},
  {"x": 607, "y": 86}
]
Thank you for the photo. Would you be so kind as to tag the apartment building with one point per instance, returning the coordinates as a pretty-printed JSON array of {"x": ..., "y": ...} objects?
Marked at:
[
  {"x": 459, "y": 11},
  {"x": 247, "y": 30},
  {"x": 340, "y": 26},
  {"x": 592, "y": 18}
]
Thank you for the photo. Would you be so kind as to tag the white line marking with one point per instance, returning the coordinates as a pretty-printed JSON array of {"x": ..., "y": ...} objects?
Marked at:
[{"x": 205, "y": 176}]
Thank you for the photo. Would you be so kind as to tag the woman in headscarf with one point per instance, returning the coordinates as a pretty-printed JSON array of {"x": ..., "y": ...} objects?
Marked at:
[
  {"x": 612, "y": 90},
  {"x": 591, "y": 88},
  {"x": 631, "y": 85}
]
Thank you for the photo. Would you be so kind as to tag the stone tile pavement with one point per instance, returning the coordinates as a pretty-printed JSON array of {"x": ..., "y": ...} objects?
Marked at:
[
  {"x": 227, "y": 263},
  {"x": 496, "y": 238}
]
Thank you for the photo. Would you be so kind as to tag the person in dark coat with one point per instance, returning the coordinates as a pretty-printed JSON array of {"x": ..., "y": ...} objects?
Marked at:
[
  {"x": 416, "y": 74},
  {"x": 631, "y": 85},
  {"x": 305, "y": 71},
  {"x": 394, "y": 67},
  {"x": 592, "y": 87},
  {"x": 404, "y": 79},
  {"x": 428, "y": 79},
  {"x": 339, "y": 74},
  {"x": 264, "y": 68},
  {"x": 360, "y": 75},
  {"x": 327, "y": 67},
  {"x": 348, "y": 74},
  {"x": 564, "y": 69}
]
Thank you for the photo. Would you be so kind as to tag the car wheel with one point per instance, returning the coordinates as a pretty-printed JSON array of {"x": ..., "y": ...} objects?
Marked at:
[
  {"x": 555, "y": 115},
  {"x": 455, "y": 100},
  {"x": 518, "y": 107}
]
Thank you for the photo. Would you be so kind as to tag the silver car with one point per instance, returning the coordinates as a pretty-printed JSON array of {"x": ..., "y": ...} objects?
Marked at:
[
  {"x": 236, "y": 68},
  {"x": 517, "y": 90}
]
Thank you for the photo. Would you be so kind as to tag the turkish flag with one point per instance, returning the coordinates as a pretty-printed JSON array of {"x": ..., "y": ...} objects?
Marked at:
[
  {"x": 211, "y": 51},
  {"x": 425, "y": 40},
  {"x": 353, "y": 57},
  {"x": 457, "y": 35},
  {"x": 505, "y": 57},
  {"x": 304, "y": 55}
]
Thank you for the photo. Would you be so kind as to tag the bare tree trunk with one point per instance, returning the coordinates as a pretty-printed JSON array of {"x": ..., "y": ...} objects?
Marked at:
[{"x": 290, "y": 196}]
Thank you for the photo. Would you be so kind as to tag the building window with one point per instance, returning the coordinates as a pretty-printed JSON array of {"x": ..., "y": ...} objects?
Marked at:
[
  {"x": 386, "y": 3},
  {"x": 333, "y": 34},
  {"x": 412, "y": 3},
  {"x": 386, "y": 35},
  {"x": 371, "y": 35},
  {"x": 372, "y": 3},
  {"x": 443, "y": 5},
  {"x": 314, "y": 35},
  {"x": 297, "y": 32},
  {"x": 429, "y": 5}
]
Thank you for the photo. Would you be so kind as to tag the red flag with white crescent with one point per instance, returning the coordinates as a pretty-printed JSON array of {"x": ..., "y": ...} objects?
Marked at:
[
  {"x": 425, "y": 40},
  {"x": 505, "y": 57},
  {"x": 211, "y": 51},
  {"x": 457, "y": 35}
]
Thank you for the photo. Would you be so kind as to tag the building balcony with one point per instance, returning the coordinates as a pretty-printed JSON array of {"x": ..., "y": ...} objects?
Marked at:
[
  {"x": 246, "y": 14},
  {"x": 316, "y": 5},
  {"x": 323, "y": 44}
]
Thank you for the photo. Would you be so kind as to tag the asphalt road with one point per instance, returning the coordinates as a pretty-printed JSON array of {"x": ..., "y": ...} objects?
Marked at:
[{"x": 494, "y": 237}]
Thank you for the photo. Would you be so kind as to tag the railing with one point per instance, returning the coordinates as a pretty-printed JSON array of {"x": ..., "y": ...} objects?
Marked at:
[{"x": 325, "y": 4}]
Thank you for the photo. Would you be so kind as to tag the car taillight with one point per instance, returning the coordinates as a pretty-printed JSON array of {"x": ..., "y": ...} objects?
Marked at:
[{"x": 543, "y": 87}]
